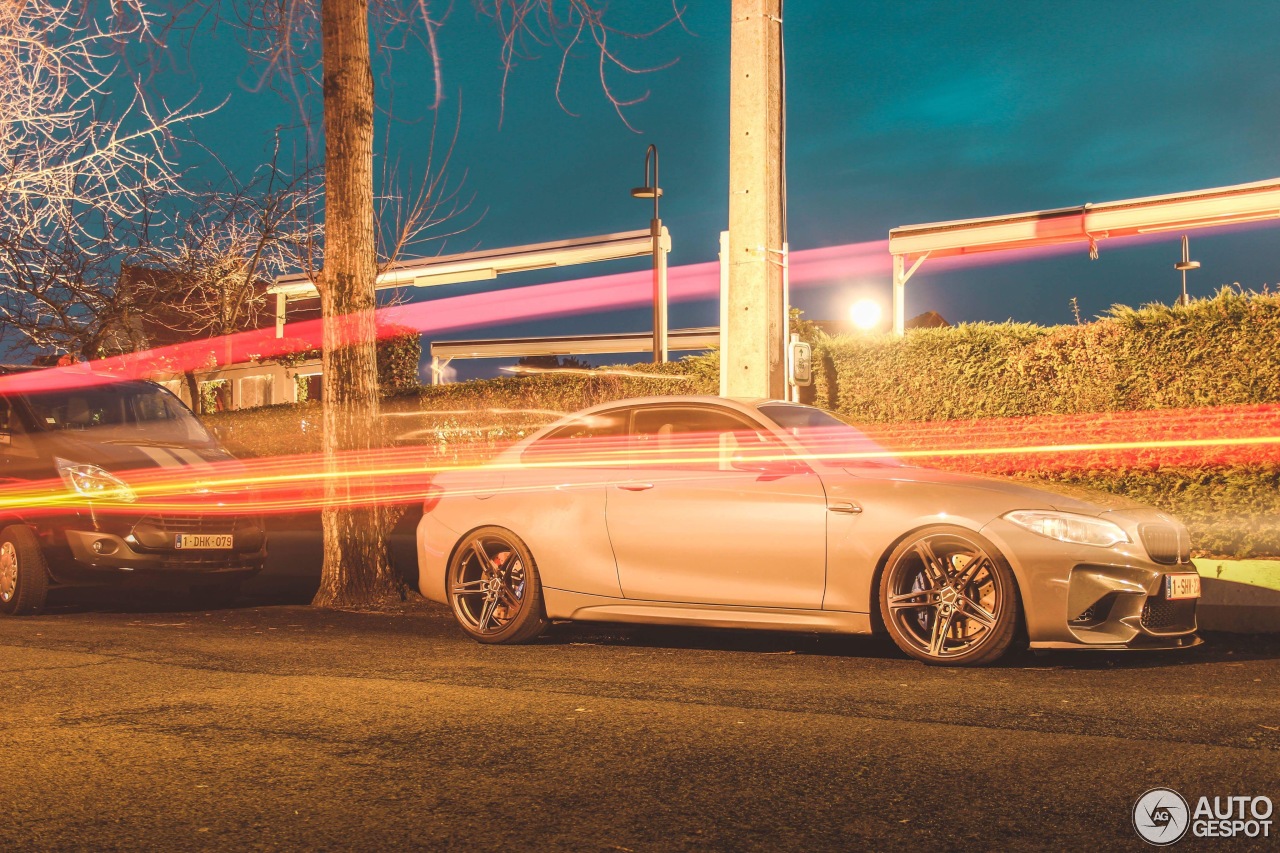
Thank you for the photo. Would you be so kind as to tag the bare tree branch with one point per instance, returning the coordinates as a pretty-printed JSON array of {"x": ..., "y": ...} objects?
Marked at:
[{"x": 72, "y": 167}]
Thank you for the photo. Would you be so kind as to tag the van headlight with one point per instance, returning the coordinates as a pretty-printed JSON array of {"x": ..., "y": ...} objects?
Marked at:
[
  {"x": 1069, "y": 527},
  {"x": 93, "y": 482}
]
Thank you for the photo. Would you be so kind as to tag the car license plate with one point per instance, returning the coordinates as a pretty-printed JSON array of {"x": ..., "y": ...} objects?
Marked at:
[
  {"x": 1181, "y": 586},
  {"x": 219, "y": 541}
]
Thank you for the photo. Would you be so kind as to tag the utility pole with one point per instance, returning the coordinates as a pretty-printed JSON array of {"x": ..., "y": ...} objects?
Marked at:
[{"x": 755, "y": 328}]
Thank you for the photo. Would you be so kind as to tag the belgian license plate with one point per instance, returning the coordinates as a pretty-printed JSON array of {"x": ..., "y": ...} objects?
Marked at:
[
  {"x": 209, "y": 541},
  {"x": 1182, "y": 586}
]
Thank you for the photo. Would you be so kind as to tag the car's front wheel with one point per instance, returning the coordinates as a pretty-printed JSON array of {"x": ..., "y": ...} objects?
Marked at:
[
  {"x": 24, "y": 577},
  {"x": 948, "y": 597},
  {"x": 494, "y": 588}
]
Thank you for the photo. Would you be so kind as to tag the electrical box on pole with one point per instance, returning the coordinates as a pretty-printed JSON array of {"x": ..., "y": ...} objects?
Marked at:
[
  {"x": 755, "y": 309},
  {"x": 799, "y": 367}
]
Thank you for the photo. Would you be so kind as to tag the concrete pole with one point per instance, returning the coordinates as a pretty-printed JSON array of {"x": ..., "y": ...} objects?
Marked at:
[
  {"x": 756, "y": 315},
  {"x": 659, "y": 291},
  {"x": 899, "y": 295}
]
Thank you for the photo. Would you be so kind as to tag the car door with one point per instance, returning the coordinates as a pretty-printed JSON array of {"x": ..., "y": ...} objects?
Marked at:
[
  {"x": 555, "y": 501},
  {"x": 713, "y": 513}
]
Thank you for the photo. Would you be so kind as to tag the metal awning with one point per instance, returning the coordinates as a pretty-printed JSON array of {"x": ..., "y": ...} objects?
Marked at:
[
  {"x": 620, "y": 342},
  {"x": 490, "y": 263},
  {"x": 1088, "y": 223}
]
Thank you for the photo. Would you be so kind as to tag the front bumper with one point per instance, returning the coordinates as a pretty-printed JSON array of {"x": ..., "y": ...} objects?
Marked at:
[
  {"x": 84, "y": 551},
  {"x": 1076, "y": 596}
]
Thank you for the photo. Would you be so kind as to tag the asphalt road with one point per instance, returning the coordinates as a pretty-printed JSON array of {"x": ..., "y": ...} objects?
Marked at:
[{"x": 137, "y": 724}]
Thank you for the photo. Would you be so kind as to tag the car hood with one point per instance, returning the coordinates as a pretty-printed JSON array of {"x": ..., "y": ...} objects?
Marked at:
[
  {"x": 124, "y": 455},
  {"x": 1059, "y": 497}
]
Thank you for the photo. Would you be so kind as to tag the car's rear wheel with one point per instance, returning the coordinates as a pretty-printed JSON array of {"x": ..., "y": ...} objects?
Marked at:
[
  {"x": 494, "y": 588},
  {"x": 24, "y": 576},
  {"x": 948, "y": 597}
]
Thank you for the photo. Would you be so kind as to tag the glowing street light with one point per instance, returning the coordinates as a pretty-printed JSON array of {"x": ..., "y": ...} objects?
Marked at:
[{"x": 866, "y": 314}]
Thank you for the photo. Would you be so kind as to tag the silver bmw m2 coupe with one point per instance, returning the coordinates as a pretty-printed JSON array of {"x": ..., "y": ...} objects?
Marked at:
[{"x": 738, "y": 513}]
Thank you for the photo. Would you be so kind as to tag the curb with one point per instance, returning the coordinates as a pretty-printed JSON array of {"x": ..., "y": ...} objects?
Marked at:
[{"x": 1239, "y": 596}]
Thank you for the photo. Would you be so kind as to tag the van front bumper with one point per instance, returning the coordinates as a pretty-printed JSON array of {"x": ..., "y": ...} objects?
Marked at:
[{"x": 144, "y": 550}]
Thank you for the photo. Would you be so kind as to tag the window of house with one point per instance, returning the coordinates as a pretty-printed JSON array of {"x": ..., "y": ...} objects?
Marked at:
[{"x": 255, "y": 391}]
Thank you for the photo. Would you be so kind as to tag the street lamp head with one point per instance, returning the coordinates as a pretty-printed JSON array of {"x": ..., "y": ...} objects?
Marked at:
[
  {"x": 865, "y": 314},
  {"x": 650, "y": 188},
  {"x": 1186, "y": 263}
]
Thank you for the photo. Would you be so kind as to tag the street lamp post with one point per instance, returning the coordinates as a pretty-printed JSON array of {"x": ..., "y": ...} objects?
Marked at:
[
  {"x": 653, "y": 191},
  {"x": 1183, "y": 265}
]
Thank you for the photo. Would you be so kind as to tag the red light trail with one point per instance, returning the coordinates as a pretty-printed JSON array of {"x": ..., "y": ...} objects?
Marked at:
[{"x": 1248, "y": 435}]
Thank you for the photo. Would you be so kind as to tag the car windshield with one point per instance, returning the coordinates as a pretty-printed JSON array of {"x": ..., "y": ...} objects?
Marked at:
[
  {"x": 828, "y": 438},
  {"x": 135, "y": 412}
]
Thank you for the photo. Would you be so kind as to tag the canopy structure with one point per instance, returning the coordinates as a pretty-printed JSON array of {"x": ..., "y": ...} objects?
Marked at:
[
  {"x": 678, "y": 340},
  {"x": 911, "y": 245},
  {"x": 490, "y": 263}
]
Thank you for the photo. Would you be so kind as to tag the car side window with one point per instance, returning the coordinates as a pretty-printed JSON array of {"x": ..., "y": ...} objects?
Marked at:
[
  {"x": 15, "y": 440},
  {"x": 697, "y": 438},
  {"x": 596, "y": 439}
]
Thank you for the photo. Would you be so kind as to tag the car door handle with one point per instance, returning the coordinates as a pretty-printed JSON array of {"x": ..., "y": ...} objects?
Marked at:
[
  {"x": 635, "y": 487},
  {"x": 844, "y": 506}
]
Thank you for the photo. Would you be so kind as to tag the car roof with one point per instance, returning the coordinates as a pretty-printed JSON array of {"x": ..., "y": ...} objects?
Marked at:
[
  {"x": 741, "y": 404},
  {"x": 678, "y": 399}
]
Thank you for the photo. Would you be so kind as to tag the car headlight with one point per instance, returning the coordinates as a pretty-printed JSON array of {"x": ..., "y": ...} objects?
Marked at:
[
  {"x": 93, "y": 482},
  {"x": 1069, "y": 527}
]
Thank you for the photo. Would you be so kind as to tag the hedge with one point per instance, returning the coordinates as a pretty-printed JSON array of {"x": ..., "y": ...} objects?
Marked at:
[
  {"x": 975, "y": 385},
  {"x": 399, "y": 350},
  {"x": 1220, "y": 351}
]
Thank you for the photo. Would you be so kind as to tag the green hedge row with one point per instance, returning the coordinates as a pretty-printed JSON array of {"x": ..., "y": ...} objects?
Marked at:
[{"x": 1213, "y": 352}]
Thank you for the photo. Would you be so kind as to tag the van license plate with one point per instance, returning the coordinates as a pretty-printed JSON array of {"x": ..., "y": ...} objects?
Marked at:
[
  {"x": 1181, "y": 586},
  {"x": 186, "y": 541}
]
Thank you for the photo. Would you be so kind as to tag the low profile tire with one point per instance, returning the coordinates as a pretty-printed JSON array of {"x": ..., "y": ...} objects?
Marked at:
[
  {"x": 949, "y": 598},
  {"x": 494, "y": 588},
  {"x": 217, "y": 595},
  {"x": 24, "y": 575}
]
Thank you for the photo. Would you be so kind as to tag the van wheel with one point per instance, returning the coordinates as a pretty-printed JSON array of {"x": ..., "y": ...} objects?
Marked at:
[{"x": 24, "y": 575}]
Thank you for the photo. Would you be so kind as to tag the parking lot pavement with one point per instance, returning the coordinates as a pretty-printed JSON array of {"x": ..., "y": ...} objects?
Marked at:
[{"x": 136, "y": 724}]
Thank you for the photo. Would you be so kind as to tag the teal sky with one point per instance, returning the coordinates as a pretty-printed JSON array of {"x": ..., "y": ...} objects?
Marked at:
[{"x": 898, "y": 113}]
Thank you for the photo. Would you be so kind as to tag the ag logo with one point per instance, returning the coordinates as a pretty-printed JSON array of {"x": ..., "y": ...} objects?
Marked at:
[{"x": 1161, "y": 816}]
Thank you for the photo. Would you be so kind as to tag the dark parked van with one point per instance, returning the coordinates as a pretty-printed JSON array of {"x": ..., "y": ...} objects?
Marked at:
[{"x": 86, "y": 437}]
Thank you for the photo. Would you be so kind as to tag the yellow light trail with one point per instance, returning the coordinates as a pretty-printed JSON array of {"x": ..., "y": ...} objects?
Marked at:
[{"x": 389, "y": 481}]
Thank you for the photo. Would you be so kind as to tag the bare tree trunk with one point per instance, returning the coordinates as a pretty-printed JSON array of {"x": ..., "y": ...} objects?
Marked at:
[
  {"x": 193, "y": 388},
  {"x": 356, "y": 569}
]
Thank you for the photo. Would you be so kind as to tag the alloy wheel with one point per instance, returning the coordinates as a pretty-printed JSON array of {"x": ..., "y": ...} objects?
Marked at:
[
  {"x": 945, "y": 596},
  {"x": 488, "y": 585}
]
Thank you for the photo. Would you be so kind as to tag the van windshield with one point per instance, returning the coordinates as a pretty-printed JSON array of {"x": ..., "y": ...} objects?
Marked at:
[{"x": 126, "y": 411}]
